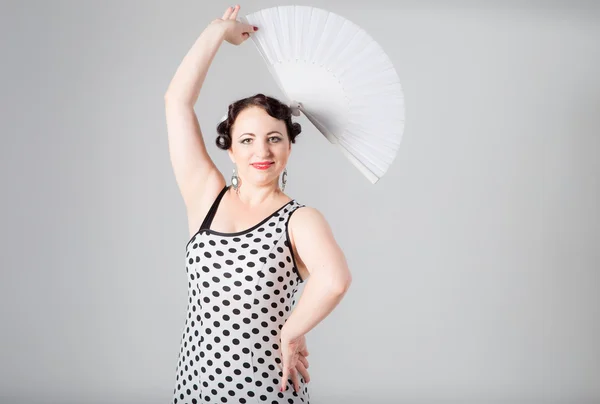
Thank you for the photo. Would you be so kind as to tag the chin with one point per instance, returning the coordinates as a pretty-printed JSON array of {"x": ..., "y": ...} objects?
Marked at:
[{"x": 263, "y": 179}]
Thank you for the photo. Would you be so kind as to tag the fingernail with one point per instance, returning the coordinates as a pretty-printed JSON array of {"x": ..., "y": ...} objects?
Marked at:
[{"x": 256, "y": 28}]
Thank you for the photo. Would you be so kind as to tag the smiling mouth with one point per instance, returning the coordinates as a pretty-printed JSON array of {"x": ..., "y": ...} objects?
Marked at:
[{"x": 262, "y": 166}]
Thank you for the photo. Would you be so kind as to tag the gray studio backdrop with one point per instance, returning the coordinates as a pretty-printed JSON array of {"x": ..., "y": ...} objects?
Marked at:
[{"x": 475, "y": 259}]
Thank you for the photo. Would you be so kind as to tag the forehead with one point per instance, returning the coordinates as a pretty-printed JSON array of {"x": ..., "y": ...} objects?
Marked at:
[{"x": 255, "y": 118}]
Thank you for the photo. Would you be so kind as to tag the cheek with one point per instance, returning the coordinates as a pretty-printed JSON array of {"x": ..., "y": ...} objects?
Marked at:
[
  {"x": 283, "y": 145},
  {"x": 241, "y": 152},
  {"x": 282, "y": 153}
]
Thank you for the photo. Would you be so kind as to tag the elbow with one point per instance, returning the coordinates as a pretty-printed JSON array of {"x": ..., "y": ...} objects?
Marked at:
[
  {"x": 342, "y": 287},
  {"x": 169, "y": 97}
]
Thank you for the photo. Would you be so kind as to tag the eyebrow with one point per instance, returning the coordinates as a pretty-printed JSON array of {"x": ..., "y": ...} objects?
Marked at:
[{"x": 250, "y": 133}]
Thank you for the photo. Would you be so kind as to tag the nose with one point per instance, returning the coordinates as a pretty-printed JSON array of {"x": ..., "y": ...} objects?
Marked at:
[{"x": 263, "y": 148}]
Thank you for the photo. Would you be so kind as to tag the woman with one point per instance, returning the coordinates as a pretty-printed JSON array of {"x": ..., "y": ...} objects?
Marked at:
[{"x": 250, "y": 248}]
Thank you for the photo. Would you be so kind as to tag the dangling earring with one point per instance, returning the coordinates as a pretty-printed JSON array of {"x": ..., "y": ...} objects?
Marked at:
[
  {"x": 235, "y": 180},
  {"x": 283, "y": 179}
]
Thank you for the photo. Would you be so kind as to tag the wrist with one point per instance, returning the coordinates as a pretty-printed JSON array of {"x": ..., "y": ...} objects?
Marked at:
[
  {"x": 217, "y": 27},
  {"x": 288, "y": 335}
]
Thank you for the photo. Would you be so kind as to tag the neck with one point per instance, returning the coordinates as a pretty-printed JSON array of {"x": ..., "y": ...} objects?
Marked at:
[{"x": 253, "y": 195}]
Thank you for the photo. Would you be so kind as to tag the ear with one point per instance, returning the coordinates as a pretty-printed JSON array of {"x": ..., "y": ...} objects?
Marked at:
[{"x": 230, "y": 153}]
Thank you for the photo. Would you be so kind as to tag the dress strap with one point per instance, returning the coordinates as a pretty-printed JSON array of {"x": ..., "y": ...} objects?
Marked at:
[
  {"x": 287, "y": 240},
  {"x": 213, "y": 209}
]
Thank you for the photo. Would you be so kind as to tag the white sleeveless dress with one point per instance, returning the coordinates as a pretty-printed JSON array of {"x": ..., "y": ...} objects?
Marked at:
[{"x": 241, "y": 290}]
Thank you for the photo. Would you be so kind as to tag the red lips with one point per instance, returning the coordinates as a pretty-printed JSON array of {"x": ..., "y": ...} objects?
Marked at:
[{"x": 262, "y": 165}]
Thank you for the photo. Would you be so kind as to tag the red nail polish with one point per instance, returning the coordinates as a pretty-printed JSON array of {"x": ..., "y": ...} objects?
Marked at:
[{"x": 256, "y": 28}]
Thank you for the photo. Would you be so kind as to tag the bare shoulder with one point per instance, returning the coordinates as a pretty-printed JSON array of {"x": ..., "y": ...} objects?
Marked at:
[
  {"x": 308, "y": 222},
  {"x": 307, "y": 218},
  {"x": 316, "y": 248}
]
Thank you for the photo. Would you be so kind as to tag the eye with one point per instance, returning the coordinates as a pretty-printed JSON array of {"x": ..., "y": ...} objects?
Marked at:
[{"x": 274, "y": 139}]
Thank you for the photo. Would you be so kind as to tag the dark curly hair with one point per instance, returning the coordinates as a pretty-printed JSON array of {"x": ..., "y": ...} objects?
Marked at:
[{"x": 271, "y": 105}]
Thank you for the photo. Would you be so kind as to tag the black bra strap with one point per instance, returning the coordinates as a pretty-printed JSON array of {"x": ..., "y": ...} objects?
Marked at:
[{"x": 213, "y": 209}]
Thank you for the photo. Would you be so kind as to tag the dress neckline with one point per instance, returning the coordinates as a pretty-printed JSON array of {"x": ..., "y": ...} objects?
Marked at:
[
  {"x": 239, "y": 233},
  {"x": 208, "y": 230}
]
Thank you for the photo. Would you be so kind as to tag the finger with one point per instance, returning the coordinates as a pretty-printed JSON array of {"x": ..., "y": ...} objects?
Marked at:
[
  {"x": 294, "y": 374},
  {"x": 234, "y": 14},
  {"x": 302, "y": 369},
  {"x": 284, "y": 379},
  {"x": 303, "y": 360},
  {"x": 304, "y": 352},
  {"x": 227, "y": 13},
  {"x": 281, "y": 362}
]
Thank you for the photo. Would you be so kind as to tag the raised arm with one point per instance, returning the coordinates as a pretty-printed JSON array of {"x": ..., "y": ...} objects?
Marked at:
[
  {"x": 198, "y": 178},
  {"x": 195, "y": 172}
]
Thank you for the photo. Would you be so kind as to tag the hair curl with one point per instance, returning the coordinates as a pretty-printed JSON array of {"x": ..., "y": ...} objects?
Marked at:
[{"x": 271, "y": 105}]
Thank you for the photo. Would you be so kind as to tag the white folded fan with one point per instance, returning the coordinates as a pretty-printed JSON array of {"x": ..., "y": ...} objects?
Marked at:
[{"x": 339, "y": 77}]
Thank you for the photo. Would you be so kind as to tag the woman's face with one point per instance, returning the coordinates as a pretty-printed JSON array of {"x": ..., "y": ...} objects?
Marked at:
[{"x": 257, "y": 137}]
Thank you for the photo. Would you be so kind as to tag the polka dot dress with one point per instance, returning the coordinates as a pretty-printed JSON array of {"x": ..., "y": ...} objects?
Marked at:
[{"x": 241, "y": 290}]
